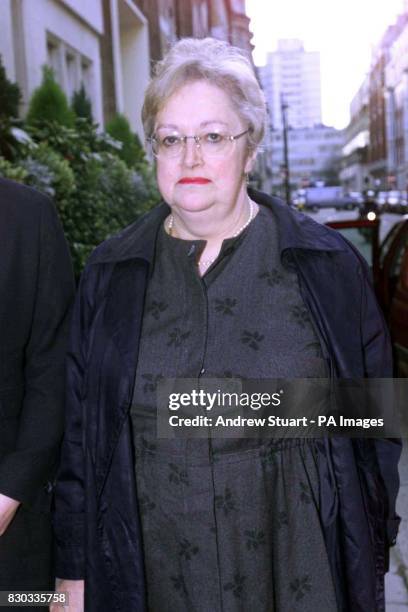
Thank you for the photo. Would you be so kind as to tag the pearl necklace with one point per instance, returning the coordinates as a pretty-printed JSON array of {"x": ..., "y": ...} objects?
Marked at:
[{"x": 208, "y": 262}]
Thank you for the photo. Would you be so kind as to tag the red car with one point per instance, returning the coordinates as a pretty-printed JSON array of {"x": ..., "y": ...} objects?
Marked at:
[
  {"x": 389, "y": 264},
  {"x": 398, "y": 296}
]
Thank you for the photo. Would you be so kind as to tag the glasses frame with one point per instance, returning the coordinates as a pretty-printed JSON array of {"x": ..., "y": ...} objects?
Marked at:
[{"x": 197, "y": 139}]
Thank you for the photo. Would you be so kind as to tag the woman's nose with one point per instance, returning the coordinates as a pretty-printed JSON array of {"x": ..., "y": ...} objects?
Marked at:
[{"x": 192, "y": 154}]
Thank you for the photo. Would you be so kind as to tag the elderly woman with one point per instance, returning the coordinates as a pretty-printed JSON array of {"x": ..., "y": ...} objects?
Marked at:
[{"x": 218, "y": 281}]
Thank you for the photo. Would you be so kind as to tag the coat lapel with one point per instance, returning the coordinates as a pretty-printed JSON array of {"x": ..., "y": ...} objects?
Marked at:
[
  {"x": 124, "y": 309},
  {"x": 119, "y": 346}
]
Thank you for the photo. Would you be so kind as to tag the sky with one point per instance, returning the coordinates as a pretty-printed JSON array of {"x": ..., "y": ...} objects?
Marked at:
[{"x": 343, "y": 31}]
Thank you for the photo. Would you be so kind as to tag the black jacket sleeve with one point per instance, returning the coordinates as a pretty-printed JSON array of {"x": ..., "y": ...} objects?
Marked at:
[
  {"x": 25, "y": 470},
  {"x": 378, "y": 363},
  {"x": 69, "y": 507}
]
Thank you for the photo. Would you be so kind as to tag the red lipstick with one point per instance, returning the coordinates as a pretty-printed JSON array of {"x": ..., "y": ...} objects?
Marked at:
[{"x": 194, "y": 180}]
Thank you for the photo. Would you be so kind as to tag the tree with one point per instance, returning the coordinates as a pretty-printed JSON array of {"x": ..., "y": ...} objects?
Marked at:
[
  {"x": 10, "y": 95},
  {"x": 81, "y": 104},
  {"x": 9, "y": 100},
  {"x": 49, "y": 102},
  {"x": 132, "y": 151}
]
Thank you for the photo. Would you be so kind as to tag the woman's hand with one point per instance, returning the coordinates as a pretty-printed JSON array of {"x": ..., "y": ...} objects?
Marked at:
[
  {"x": 8, "y": 508},
  {"x": 75, "y": 590}
]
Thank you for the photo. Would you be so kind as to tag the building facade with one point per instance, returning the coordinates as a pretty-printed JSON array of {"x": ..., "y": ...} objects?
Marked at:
[
  {"x": 378, "y": 151},
  {"x": 108, "y": 45},
  {"x": 396, "y": 107},
  {"x": 354, "y": 159},
  {"x": 100, "y": 43},
  {"x": 292, "y": 75},
  {"x": 170, "y": 20},
  {"x": 314, "y": 155}
]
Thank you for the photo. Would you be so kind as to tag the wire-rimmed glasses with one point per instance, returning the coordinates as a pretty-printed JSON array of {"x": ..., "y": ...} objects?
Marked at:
[{"x": 210, "y": 144}]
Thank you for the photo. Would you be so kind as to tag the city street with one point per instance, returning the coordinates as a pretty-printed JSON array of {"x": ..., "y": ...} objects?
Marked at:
[{"x": 387, "y": 220}]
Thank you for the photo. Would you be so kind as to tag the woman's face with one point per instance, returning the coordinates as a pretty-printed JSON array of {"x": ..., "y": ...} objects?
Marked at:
[{"x": 194, "y": 109}]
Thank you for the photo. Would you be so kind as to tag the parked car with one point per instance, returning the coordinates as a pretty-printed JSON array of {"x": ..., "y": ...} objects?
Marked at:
[
  {"x": 316, "y": 198},
  {"x": 394, "y": 287},
  {"x": 391, "y": 254},
  {"x": 356, "y": 196},
  {"x": 393, "y": 201},
  {"x": 398, "y": 318},
  {"x": 363, "y": 233},
  {"x": 381, "y": 199},
  {"x": 389, "y": 265}
]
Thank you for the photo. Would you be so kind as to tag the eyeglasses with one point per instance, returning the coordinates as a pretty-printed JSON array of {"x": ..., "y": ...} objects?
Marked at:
[{"x": 211, "y": 144}]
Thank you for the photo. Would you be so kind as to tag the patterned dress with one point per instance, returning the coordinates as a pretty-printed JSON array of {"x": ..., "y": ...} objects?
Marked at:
[{"x": 229, "y": 525}]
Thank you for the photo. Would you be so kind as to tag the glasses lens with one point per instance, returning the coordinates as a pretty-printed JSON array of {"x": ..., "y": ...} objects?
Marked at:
[
  {"x": 167, "y": 145},
  {"x": 214, "y": 144}
]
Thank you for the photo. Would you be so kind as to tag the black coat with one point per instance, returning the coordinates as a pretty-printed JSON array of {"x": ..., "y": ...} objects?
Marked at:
[
  {"x": 97, "y": 520},
  {"x": 37, "y": 290}
]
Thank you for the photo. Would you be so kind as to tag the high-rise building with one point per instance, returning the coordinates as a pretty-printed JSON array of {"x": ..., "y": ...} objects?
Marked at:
[{"x": 293, "y": 74}]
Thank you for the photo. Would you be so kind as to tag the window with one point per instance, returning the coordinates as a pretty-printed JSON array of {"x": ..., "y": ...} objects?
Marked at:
[
  {"x": 70, "y": 67},
  {"x": 53, "y": 58},
  {"x": 86, "y": 75},
  {"x": 71, "y": 76}
]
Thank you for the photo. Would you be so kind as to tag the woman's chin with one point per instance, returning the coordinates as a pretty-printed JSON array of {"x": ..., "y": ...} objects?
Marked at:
[{"x": 193, "y": 203}]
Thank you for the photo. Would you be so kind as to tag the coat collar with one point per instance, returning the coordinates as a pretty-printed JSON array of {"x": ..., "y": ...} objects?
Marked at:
[{"x": 296, "y": 231}]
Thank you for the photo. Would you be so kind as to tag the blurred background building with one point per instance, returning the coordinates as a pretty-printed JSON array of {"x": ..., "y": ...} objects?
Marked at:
[
  {"x": 108, "y": 45},
  {"x": 314, "y": 156},
  {"x": 291, "y": 81},
  {"x": 356, "y": 141},
  {"x": 375, "y": 150},
  {"x": 293, "y": 74},
  {"x": 396, "y": 106}
]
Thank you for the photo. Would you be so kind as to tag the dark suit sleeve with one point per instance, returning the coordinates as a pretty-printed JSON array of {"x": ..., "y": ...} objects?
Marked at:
[
  {"x": 378, "y": 364},
  {"x": 25, "y": 471}
]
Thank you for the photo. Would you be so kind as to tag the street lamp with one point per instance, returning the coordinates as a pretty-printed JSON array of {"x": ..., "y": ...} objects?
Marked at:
[{"x": 284, "y": 107}]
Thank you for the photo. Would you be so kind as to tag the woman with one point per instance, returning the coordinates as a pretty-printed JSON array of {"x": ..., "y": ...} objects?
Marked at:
[{"x": 218, "y": 281}]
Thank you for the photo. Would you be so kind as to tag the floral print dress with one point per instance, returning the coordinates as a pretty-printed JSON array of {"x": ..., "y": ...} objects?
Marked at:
[{"x": 229, "y": 525}]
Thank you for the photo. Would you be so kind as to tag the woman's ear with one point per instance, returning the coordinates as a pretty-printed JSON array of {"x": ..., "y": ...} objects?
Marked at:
[{"x": 250, "y": 161}]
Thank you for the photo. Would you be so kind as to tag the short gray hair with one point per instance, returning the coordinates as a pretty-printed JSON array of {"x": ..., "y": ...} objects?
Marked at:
[{"x": 217, "y": 62}]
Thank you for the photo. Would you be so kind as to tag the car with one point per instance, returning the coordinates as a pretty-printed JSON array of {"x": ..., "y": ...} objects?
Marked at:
[
  {"x": 356, "y": 196},
  {"x": 391, "y": 254},
  {"x": 393, "y": 198},
  {"x": 389, "y": 265},
  {"x": 381, "y": 198},
  {"x": 398, "y": 319},
  {"x": 364, "y": 234},
  {"x": 321, "y": 196}
]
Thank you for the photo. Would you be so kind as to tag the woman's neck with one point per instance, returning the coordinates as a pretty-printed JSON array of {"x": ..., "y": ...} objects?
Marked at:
[
  {"x": 213, "y": 225},
  {"x": 215, "y": 230}
]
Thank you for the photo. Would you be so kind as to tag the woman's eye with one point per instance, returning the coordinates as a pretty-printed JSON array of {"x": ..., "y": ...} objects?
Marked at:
[
  {"x": 213, "y": 137},
  {"x": 170, "y": 141}
]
